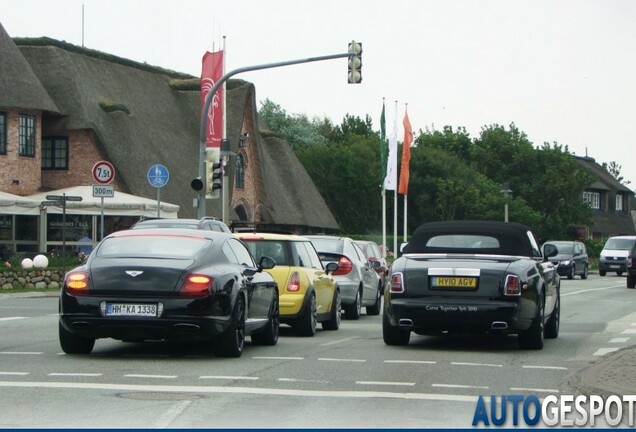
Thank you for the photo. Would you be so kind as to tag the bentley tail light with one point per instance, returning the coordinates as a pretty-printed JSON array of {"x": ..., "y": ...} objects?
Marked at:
[
  {"x": 294, "y": 282},
  {"x": 196, "y": 286},
  {"x": 397, "y": 283},
  {"x": 76, "y": 283},
  {"x": 512, "y": 286},
  {"x": 344, "y": 267}
]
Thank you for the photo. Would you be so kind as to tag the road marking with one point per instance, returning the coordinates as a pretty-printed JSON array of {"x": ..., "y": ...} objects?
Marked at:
[
  {"x": 75, "y": 374},
  {"x": 243, "y": 390},
  {"x": 339, "y": 341},
  {"x": 228, "y": 377},
  {"x": 341, "y": 360},
  {"x": 603, "y": 351},
  {"x": 12, "y": 318},
  {"x": 14, "y": 373},
  {"x": 150, "y": 376},
  {"x": 21, "y": 352},
  {"x": 591, "y": 289},
  {"x": 475, "y": 364},
  {"x": 171, "y": 414},
  {"x": 619, "y": 340},
  {"x": 629, "y": 331},
  {"x": 278, "y": 358},
  {"x": 385, "y": 383},
  {"x": 534, "y": 390},
  {"x": 302, "y": 380},
  {"x": 460, "y": 386},
  {"x": 411, "y": 361},
  {"x": 545, "y": 367}
]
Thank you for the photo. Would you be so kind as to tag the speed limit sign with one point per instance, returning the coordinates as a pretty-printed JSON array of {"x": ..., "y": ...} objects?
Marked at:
[{"x": 103, "y": 172}]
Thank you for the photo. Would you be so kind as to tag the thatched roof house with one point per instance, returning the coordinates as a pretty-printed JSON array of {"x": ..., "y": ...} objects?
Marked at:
[{"x": 136, "y": 115}]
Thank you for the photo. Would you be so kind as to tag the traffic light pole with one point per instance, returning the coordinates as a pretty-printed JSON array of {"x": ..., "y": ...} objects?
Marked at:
[{"x": 206, "y": 108}]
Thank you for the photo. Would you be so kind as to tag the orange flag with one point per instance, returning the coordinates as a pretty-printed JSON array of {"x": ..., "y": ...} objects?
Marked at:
[{"x": 403, "y": 187}]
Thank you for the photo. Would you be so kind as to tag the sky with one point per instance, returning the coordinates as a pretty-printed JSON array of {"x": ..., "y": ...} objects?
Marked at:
[{"x": 562, "y": 71}]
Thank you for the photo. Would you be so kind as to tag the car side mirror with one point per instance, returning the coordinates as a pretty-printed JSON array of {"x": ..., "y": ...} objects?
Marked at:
[
  {"x": 266, "y": 263},
  {"x": 331, "y": 267},
  {"x": 550, "y": 251},
  {"x": 375, "y": 263}
]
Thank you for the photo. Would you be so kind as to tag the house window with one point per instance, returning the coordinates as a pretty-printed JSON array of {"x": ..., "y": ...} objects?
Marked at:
[
  {"x": 27, "y": 135},
  {"x": 55, "y": 153},
  {"x": 3, "y": 133},
  {"x": 619, "y": 202},
  {"x": 240, "y": 171},
  {"x": 593, "y": 199}
]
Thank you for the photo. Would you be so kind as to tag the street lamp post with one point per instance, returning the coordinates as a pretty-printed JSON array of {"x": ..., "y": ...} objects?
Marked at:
[{"x": 506, "y": 191}]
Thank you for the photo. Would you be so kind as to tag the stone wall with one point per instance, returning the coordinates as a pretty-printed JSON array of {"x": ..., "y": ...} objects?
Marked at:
[{"x": 31, "y": 279}]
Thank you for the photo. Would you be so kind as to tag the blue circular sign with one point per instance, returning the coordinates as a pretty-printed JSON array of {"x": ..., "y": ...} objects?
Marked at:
[{"x": 158, "y": 176}]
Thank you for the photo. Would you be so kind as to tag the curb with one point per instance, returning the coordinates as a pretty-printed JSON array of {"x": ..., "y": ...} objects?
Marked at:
[{"x": 613, "y": 374}]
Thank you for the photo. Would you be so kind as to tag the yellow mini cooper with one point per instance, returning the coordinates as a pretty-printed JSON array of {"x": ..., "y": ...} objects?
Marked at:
[{"x": 308, "y": 294}]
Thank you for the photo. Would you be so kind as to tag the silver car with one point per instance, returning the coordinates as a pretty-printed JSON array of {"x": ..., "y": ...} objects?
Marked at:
[{"x": 356, "y": 275}]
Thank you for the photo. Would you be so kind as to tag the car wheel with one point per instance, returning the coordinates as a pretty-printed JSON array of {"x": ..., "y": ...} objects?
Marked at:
[
  {"x": 230, "y": 343},
  {"x": 269, "y": 335},
  {"x": 375, "y": 309},
  {"x": 571, "y": 273},
  {"x": 306, "y": 325},
  {"x": 584, "y": 274},
  {"x": 601, "y": 272},
  {"x": 631, "y": 281},
  {"x": 552, "y": 326},
  {"x": 393, "y": 335},
  {"x": 533, "y": 337},
  {"x": 619, "y": 273},
  {"x": 333, "y": 323},
  {"x": 354, "y": 310},
  {"x": 74, "y": 344}
]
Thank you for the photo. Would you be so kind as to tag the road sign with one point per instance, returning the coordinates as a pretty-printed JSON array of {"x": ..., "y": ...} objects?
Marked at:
[
  {"x": 63, "y": 198},
  {"x": 158, "y": 176},
  {"x": 103, "y": 172},
  {"x": 103, "y": 191}
]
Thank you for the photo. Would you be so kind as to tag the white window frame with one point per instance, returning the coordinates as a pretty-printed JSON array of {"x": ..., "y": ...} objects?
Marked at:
[
  {"x": 593, "y": 199},
  {"x": 619, "y": 202}
]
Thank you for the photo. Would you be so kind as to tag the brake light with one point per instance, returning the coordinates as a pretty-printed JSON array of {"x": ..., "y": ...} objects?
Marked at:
[
  {"x": 344, "y": 267},
  {"x": 196, "y": 286},
  {"x": 512, "y": 286},
  {"x": 294, "y": 282},
  {"x": 76, "y": 283},
  {"x": 397, "y": 283}
]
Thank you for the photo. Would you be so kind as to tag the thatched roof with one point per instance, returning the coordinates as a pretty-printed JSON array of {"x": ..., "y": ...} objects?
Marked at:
[
  {"x": 23, "y": 90},
  {"x": 142, "y": 115},
  {"x": 604, "y": 180}
]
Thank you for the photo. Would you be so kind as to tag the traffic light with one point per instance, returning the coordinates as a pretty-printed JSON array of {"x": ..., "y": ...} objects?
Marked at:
[
  {"x": 355, "y": 63},
  {"x": 215, "y": 178},
  {"x": 196, "y": 184}
]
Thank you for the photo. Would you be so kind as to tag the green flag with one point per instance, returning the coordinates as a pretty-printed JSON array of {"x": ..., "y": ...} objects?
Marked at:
[{"x": 384, "y": 147}]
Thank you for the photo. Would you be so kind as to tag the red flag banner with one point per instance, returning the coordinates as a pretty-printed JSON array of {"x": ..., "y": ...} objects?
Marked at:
[
  {"x": 211, "y": 73},
  {"x": 403, "y": 187}
]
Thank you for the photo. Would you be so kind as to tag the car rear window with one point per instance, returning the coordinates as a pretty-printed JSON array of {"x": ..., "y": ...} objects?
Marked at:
[
  {"x": 152, "y": 246},
  {"x": 276, "y": 249},
  {"x": 463, "y": 241},
  {"x": 328, "y": 245}
]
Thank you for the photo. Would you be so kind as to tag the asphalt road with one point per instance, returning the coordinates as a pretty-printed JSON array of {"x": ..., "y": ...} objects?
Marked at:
[{"x": 347, "y": 378}]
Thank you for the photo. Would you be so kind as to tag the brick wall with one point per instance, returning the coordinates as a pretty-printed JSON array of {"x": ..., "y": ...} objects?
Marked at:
[{"x": 20, "y": 175}]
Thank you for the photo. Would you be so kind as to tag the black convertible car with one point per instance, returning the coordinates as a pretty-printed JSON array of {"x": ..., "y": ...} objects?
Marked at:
[
  {"x": 170, "y": 284},
  {"x": 472, "y": 277}
]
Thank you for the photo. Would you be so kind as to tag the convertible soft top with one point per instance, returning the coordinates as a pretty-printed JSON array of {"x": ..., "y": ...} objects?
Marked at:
[{"x": 511, "y": 238}]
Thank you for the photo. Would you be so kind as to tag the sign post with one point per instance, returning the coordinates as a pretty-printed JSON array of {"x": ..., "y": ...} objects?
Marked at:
[
  {"x": 60, "y": 201},
  {"x": 158, "y": 176},
  {"x": 103, "y": 174}
]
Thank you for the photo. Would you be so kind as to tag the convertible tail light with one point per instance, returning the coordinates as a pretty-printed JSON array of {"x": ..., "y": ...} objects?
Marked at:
[
  {"x": 76, "y": 283},
  {"x": 512, "y": 287},
  {"x": 344, "y": 267},
  {"x": 294, "y": 282},
  {"x": 397, "y": 283},
  {"x": 196, "y": 285}
]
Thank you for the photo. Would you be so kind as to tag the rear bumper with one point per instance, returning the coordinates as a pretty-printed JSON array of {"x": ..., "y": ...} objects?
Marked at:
[{"x": 426, "y": 316}]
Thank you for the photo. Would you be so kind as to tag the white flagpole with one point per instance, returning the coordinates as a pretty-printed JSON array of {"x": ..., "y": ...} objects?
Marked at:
[
  {"x": 395, "y": 201},
  {"x": 406, "y": 202},
  {"x": 383, "y": 218}
]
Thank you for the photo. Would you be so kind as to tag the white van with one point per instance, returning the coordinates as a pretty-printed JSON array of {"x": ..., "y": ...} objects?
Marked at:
[{"x": 614, "y": 255}]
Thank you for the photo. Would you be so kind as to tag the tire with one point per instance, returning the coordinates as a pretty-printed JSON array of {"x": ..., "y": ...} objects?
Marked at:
[
  {"x": 553, "y": 324},
  {"x": 354, "y": 310},
  {"x": 601, "y": 272},
  {"x": 74, "y": 344},
  {"x": 375, "y": 309},
  {"x": 619, "y": 273},
  {"x": 585, "y": 272},
  {"x": 333, "y": 323},
  {"x": 392, "y": 335},
  {"x": 230, "y": 343},
  {"x": 306, "y": 325},
  {"x": 269, "y": 335},
  {"x": 571, "y": 273},
  {"x": 532, "y": 339},
  {"x": 631, "y": 281}
]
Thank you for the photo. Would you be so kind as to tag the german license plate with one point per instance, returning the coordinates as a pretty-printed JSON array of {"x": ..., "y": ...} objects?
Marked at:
[
  {"x": 129, "y": 309},
  {"x": 454, "y": 282}
]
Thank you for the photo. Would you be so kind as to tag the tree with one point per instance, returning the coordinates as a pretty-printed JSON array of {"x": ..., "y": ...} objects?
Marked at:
[{"x": 615, "y": 170}]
